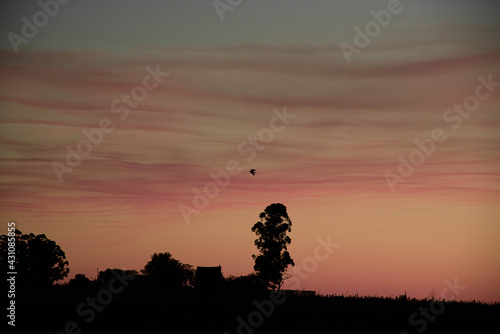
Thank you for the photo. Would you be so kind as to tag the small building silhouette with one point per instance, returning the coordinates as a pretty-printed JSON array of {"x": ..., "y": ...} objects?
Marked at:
[{"x": 208, "y": 278}]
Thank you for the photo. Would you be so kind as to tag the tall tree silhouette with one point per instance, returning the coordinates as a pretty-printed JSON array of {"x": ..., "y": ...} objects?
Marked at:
[
  {"x": 39, "y": 261},
  {"x": 272, "y": 242},
  {"x": 165, "y": 271}
]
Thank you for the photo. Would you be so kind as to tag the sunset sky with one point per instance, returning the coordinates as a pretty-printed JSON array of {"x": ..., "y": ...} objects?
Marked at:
[{"x": 352, "y": 119}]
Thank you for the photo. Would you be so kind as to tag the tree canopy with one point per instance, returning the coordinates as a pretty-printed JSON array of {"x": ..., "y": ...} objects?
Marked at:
[
  {"x": 168, "y": 272},
  {"x": 39, "y": 261},
  {"x": 80, "y": 281},
  {"x": 274, "y": 259}
]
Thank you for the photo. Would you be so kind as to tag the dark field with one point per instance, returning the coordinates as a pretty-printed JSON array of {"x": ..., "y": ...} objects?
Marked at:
[{"x": 138, "y": 310}]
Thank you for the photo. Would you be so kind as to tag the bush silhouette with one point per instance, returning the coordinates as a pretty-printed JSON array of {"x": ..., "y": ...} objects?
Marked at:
[{"x": 166, "y": 272}]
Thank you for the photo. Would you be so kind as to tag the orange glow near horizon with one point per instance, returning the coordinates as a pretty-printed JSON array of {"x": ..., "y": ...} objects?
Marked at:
[{"x": 384, "y": 250}]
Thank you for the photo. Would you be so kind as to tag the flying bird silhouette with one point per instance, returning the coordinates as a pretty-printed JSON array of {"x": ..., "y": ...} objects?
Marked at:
[{"x": 252, "y": 171}]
